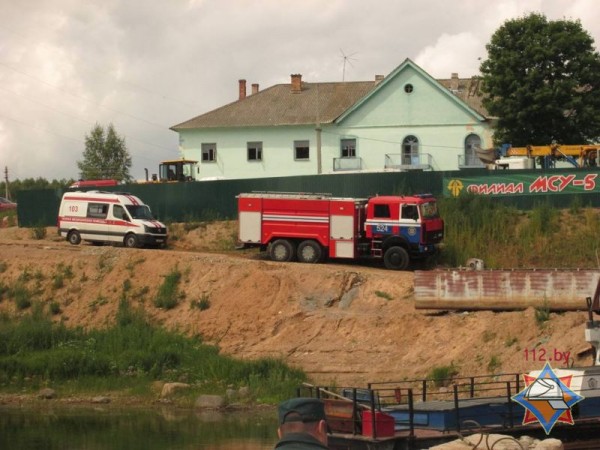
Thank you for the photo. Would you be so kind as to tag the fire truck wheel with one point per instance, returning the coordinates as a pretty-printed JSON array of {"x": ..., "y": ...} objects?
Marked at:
[
  {"x": 74, "y": 237},
  {"x": 281, "y": 250},
  {"x": 396, "y": 258},
  {"x": 131, "y": 241},
  {"x": 309, "y": 252}
]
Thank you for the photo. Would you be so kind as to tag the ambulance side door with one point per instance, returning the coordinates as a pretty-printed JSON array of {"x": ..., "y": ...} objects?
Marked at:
[
  {"x": 95, "y": 227},
  {"x": 119, "y": 223}
]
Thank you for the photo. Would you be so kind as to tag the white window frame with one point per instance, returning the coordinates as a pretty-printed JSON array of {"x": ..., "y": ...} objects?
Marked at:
[
  {"x": 303, "y": 144},
  {"x": 348, "y": 146},
  {"x": 410, "y": 149},
  {"x": 209, "y": 153},
  {"x": 472, "y": 142},
  {"x": 255, "y": 147}
]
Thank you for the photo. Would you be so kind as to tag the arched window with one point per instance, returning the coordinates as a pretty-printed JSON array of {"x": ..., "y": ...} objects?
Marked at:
[
  {"x": 472, "y": 142},
  {"x": 410, "y": 151}
]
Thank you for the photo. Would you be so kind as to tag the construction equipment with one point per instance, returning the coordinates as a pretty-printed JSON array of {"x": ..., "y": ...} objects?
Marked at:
[
  {"x": 174, "y": 170},
  {"x": 508, "y": 157},
  {"x": 309, "y": 227}
]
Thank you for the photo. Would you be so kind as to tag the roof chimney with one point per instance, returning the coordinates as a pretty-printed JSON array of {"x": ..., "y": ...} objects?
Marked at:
[
  {"x": 296, "y": 83},
  {"x": 454, "y": 82},
  {"x": 255, "y": 88},
  {"x": 242, "y": 89}
]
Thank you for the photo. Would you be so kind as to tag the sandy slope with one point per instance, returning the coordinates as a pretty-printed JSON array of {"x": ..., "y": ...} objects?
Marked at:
[{"x": 343, "y": 324}]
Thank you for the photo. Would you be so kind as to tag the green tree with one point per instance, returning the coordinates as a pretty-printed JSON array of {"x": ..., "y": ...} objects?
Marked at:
[
  {"x": 542, "y": 81},
  {"x": 33, "y": 183},
  {"x": 105, "y": 156}
]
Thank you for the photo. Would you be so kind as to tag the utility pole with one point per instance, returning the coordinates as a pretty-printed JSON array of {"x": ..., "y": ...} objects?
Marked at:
[{"x": 7, "y": 194}]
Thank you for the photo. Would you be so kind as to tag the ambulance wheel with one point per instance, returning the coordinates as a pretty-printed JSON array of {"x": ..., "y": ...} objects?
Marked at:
[
  {"x": 74, "y": 237},
  {"x": 130, "y": 241},
  {"x": 281, "y": 250},
  {"x": 309, "y": 252},
  {"x": 396, "y": 258}
]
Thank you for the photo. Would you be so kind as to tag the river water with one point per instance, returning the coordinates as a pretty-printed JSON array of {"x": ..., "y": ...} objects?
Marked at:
[{"x": 103, "y": 428}]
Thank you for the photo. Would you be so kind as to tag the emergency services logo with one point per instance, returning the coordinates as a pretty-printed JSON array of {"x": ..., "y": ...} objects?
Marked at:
[
  {"x": 547, "y": 399},
  {"x": 455, "y": 186}
]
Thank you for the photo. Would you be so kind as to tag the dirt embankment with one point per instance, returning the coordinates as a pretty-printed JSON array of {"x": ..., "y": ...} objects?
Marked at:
[{"x": 343, "y": 324}]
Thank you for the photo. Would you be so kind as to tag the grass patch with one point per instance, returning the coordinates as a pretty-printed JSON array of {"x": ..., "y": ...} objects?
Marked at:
[
  {"x": 21, "y": 295},
  {"x": 54, "y": 308},
  {"x": 476, "y": 227},
  {"x": 132, "y": 263},
  {"x": 202, "y": 304},
  {"x": 105, "y": 264},
  {"x": 168, "y": 293},
  {"x": 383, "y": 294},
  {"x": 542, "y": 313},
  {"x": 494, "y": 363},
  {"x": 442, "y": 375},
  {"x": 38, "y": 233},
  {"x": 65, "y": 270},
  {"x": 488, "y": 336},
  {"x": 129, "y": 355}
]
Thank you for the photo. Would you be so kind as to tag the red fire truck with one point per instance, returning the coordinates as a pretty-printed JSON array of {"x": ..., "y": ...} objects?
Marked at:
[{"x": 310, "y": 227}]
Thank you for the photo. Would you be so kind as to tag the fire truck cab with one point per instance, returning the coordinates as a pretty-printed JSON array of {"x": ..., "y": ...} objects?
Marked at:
[{"x": 310, "y": 227}]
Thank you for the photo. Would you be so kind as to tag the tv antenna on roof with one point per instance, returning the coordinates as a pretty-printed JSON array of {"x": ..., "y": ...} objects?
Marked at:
[{"x": 347, "y": 59}]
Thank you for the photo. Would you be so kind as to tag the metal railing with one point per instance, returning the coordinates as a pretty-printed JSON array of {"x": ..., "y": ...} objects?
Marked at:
[
  {"x": 347, "y": 406},
  {"x": 427, "y": 389},
  {"x": 422, "y": 161},
  {"x": 470, "y": 162},
  {"x": 341, "y": 164}
]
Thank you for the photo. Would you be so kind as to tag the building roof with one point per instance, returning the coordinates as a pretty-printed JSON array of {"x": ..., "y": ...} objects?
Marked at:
[
  {"x": 279, "y": 105},
  {"x": 314, "y": 103},
  {"x": 468, "y": 90}
]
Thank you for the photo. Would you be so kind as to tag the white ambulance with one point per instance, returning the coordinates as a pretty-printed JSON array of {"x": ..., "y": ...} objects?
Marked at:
[{"x": 102, "y": 217}]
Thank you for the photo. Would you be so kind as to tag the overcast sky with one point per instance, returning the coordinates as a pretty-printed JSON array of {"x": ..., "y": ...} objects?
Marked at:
[{"x": 146, "y": 65}]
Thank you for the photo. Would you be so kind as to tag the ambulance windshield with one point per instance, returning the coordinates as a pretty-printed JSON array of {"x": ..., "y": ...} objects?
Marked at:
[{"x": 140, "y": 212}]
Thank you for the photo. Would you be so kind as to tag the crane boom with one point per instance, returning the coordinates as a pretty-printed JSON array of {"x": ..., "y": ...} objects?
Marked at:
[{"x": 585, "y": 154}]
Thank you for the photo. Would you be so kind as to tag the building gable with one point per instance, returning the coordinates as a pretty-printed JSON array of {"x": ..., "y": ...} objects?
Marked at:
[{"x": 409, "y": 97}]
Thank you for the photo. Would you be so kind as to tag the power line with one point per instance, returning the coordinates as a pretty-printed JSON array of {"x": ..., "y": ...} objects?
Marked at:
[{"x": 390, "y": 142}]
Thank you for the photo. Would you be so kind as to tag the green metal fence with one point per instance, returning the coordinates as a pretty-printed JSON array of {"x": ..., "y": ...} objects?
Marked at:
[{"x": 174, "y": 202}]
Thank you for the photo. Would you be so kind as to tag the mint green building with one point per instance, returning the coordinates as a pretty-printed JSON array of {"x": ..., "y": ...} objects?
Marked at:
[{"x": 404, "y": 121}]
